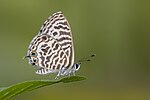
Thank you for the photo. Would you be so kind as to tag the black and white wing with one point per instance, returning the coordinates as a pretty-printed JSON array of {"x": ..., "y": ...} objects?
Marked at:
[{"x": 58, "y": 27}]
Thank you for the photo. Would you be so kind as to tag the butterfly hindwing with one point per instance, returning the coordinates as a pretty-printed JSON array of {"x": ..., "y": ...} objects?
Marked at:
[{"x": 49, "y": 54}]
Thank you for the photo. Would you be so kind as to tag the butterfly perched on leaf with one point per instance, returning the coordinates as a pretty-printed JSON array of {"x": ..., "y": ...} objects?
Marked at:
[{"x": 52, "y": 50}]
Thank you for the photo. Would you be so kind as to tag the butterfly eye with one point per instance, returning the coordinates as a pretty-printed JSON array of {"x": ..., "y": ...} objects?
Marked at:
[{"x": 77, "y": 67}]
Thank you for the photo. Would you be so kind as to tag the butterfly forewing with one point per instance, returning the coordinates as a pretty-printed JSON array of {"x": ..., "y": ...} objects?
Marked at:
[
  {"x": 58, "y": 27},
  {"x": 52, "y": 49}
]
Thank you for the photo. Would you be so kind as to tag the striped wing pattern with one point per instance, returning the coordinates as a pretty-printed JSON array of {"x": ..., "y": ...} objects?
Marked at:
[
  {"x": 53, "y": 46},
  {"x": 58, "y": 27},
  {"x": 51, "y": 57}
]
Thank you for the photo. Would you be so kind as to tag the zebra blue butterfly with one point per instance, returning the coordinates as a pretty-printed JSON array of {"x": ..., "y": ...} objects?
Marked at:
[{"x": 52, "y": 50}]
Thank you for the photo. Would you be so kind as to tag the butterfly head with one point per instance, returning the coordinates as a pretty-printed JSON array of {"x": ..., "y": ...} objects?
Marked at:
[{"x": 76, "y": 66}]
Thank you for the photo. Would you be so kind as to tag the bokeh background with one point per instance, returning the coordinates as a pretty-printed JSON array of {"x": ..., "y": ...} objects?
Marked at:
[{"x": 117, "y": 31}]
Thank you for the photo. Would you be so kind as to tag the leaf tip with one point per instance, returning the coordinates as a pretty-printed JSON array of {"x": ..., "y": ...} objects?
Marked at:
[{"x": 72, "y": 79}]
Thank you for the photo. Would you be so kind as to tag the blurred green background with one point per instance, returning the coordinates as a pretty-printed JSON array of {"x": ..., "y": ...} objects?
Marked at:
[{"x": 117, "y": 31}]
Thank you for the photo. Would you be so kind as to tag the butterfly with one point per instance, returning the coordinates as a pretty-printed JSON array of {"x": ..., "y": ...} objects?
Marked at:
[{"x": 52, "y": 50}]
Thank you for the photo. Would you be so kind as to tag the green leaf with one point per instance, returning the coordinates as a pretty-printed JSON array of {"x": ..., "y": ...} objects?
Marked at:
[{"x": 8, "y": 92}]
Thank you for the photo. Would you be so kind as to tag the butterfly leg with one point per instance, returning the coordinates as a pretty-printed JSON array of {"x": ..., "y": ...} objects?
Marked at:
[
  {"x": 58, "y": 75},
  {"x": 73, "y": 72}
]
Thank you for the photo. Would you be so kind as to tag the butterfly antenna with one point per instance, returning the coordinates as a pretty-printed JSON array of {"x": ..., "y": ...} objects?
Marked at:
[{"x": 86, "y": 59}]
